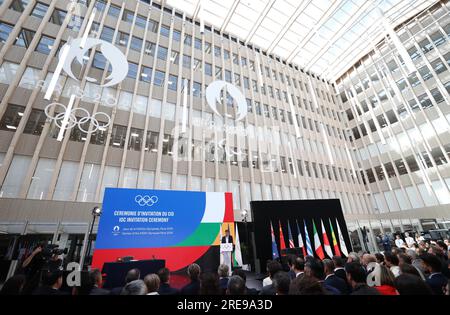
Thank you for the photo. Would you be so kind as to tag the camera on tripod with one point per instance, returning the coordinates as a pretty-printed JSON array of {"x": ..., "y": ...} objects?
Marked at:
[{"x": 53, "y": 249}]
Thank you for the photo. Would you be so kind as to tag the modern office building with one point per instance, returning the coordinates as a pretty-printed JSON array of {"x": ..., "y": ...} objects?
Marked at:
[{"x": 321, "y": 101}]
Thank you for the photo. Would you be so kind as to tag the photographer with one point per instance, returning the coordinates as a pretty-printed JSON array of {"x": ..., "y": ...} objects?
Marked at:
[{"x": 44, "y": 257}]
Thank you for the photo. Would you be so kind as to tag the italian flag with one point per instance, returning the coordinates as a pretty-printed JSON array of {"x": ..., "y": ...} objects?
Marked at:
[
  {"x": 326, "y": 242},
  {"x": 317, "y": 245}
]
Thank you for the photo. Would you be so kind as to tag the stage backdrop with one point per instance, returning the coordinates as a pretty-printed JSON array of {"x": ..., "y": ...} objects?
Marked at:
[
  {"x": 181, "y": 227},
  {"x": 295, "y": 211}
]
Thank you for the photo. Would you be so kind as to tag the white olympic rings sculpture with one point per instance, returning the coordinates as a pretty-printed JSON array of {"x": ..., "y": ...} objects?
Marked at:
[{"x": 73, "y": 120}]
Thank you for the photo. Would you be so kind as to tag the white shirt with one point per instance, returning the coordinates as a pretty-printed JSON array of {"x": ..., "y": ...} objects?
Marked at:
[
  {"x": 267, "y": 281},
  {"x": 298, "y": 274},
  {"x": 399, "y": 243},
  {"x": 409, "y": 241},
  {"x": 153, "y": 293},
  {"x": 395, "y": 270},
  {"x": 338, "y": 268}
]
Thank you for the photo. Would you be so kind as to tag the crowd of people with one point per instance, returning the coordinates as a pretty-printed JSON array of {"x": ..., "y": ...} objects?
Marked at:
[{"x": 419, "y": 269}]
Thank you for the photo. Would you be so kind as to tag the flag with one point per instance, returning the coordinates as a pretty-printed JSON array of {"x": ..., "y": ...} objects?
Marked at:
[
  {"x": 308, "y": 242},
  {"x": 341, "y": 240},
  {"x": 326, "y": 242},
  {"x": 300, "y": 240},
  {"x": 291, "y": 239},
  {"x": 317, "y": 245},
  {"x": 335, "y": 244},
  {"x": 237, "y": 255},
  {"x": 282, "y": 242},
  {"x": 275, "y": 254}
]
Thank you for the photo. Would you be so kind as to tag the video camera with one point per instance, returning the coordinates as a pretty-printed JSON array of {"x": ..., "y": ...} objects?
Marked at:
[{"x": 52, "y": 249}]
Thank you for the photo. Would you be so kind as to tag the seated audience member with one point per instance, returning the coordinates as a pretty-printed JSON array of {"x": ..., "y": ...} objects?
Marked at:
[
  {"x": 290, "y": 261},
  {"x": 314, "y": 269},
  {"x": 281, "y": 283},
  {"x": 135, "y": 287},
  {"x": 331, "y": 279},
  {"x": 298, "y": 267},
  {"x": 96, "y": 280},
  {"x": 51, "y": 283},
  {"x": 404, "y": 259},
  {"x": 132, "y": 274},
  {"x": 416, "y": 262},
  {"x": 209, "y": 284},
  {"x": 267, "y": 280},
  {"x": 152, "y": 283},
  {"x": 387, "y": 279},
  {"x": 193, "y": 287},
  {"x": 272, "y": 267},
  {"x": 306, "y": 285},
  {"x": 356, "y": 277},
  {"x": 241, "y": 273},
  {"x": 380, "y": 258},
  {"x": 14, "y": 285},
  {"x": 408, "y": 284},
  {"x": 236, "y": 286},
  {"x": 399, "y": 242},
  {"x": 409, "y": 269},
  {"x": 391, "y": 261},
  {"x": 223, "y": 272},
  {"x": 164, "y": 286},
  {"x": 353, "y": 257},
  {"x": 367, "y": 259},
  {"x": 436, "y": 280}
]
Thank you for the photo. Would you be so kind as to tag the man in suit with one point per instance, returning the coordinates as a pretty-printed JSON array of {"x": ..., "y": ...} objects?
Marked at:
[
  {"x": 241, "y": 273},
  {"x": 273, "y": 267},
  {"x": 227, "y": 239},
  {"x": 331, "y": 279},
  {"x": 164, "y": 287},
  {"x": 192, "y": 288},
  {"x": 314, "y": 269},
  {"x": 290, "y": 261},
  {"x": 51, "y": 283},
  {"x": 96, "y": 279},
  {"x": 436, "y": 280},
  {"x": 299, "y": 267},
  {"x": 356, "y": 277},
  {"x": 132, "y": 275}
]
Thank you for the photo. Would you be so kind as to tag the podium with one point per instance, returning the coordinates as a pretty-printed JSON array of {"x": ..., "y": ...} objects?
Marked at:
[{"x": 225, "y": 251}]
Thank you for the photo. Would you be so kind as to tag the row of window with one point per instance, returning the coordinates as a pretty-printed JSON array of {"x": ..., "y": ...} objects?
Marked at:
[
  {"x": 415, "y": 163},
  {"x": 197, "y": 151}
]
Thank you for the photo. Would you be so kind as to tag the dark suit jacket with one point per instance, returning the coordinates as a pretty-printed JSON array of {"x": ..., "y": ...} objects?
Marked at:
[
  {"x": 291, "y": 274},
  {"x": 230, "y": 239},
  {"x": 268, "y": 290},
  {"x": 437, "y": 282},
  {"x": 46, "y": 290},
  {"x": 166, "y": 289},
  {"x": 341, "y": 274},
  {"x": 251, "y": 291},
  {"x": 192, "y": 288},
  {"x": 116, "y": 291},
  {"x": 98, "y": 291},
  {"x": 223, "y": 283},
  {"x": 336, "y": 282},
  {"x": 364, "y": 289}
]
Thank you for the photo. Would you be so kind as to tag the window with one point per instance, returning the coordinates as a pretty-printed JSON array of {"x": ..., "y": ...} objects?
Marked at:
[
  {"x": 35, "y": 122},
  {"x": 153, "y": 26},
  {"x": 226, "y": 54},
  {"x": 5, "y": 30},
  {"x": 208, "y": 69},
  {"x": 136, "y": 43},
  {"x": 146, "y": 74},
  {"x": 176, "y": 35},
  {"x": 132, "y": 70},
  {"x": 12, "y": 117},
  {"x": 114, "y": 11},
  {"x": 188, "y": 40},
  {"x": 217, "y": 51},
  {"x": 162, "y": 53},
  {"x": 118, "y": 136},
  {"x": 107, "y": 34},
  {"x": 45, "y": 44},
  {"x": 159, "y": 78},
  {"x": 197, "y": 89},
  {"x": 25, "y": 37},
  {"x": 165, "y": 30},
  {"x": 198, "y": 43},
  {"x": 122, "y": 39},
  {"x": 149, "y": 48},
  {"x": 39, "y": 10},
  {"x": 186, "y": 61},
  {"x": 173, "y": 81},
  {"x": 135, "y": 139}
]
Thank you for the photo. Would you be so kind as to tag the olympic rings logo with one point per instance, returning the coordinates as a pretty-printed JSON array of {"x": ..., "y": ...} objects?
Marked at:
[
  {"x": 146, "y": 200},
  {"x": 58, "y": 116}
]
